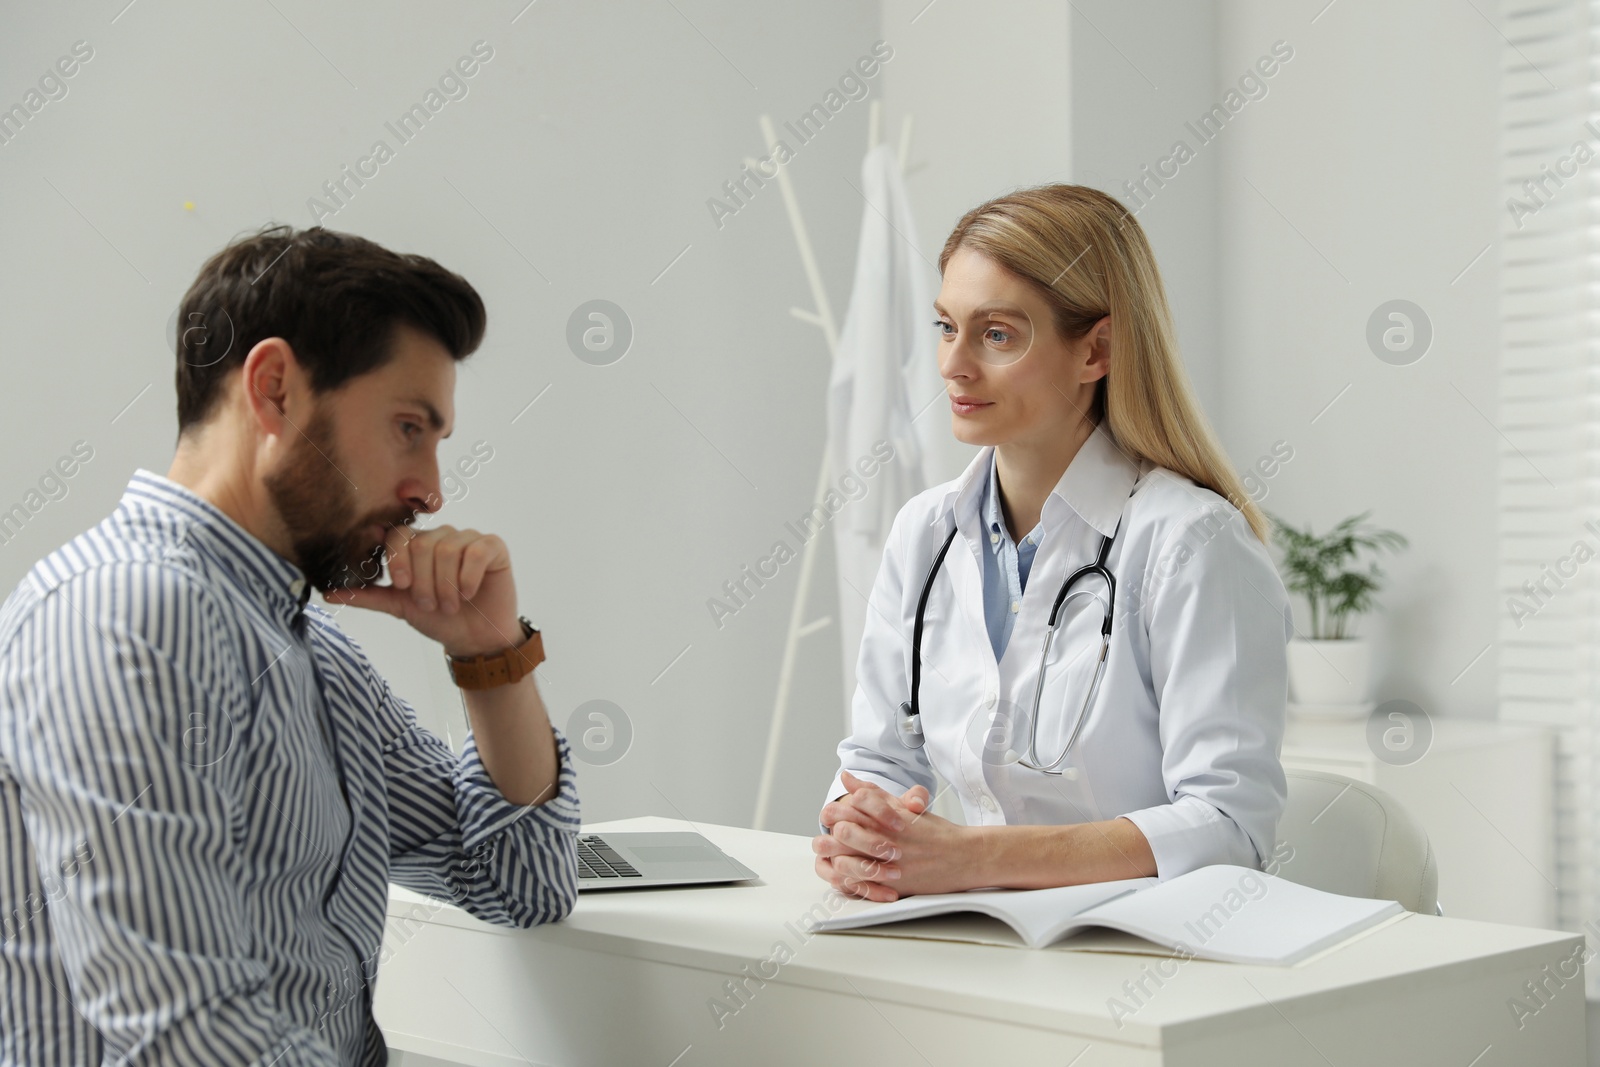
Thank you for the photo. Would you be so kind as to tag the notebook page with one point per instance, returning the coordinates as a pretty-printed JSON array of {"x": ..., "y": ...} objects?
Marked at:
[
  {"x": 1031, "y": 912},
  {"x": 1240, "y": 915},
  {"x": 966, "y": 926}
]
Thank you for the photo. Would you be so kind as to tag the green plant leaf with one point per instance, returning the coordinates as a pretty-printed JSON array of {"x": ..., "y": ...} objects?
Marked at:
[{"x": 1326, "y": 569}]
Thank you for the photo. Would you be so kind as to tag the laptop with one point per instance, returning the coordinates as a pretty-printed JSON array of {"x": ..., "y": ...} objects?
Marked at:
[{"x": 654, "y": 858}]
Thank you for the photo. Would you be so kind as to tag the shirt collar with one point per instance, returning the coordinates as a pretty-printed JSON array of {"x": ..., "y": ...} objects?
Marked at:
[
  {"x": 281, "y": 586},
  {"x": 1095, "y": 484},
  {"x": 994, "y": 516}
]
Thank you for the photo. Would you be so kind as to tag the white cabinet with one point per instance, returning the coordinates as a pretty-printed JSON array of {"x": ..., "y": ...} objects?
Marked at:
[{"x": 1484, "y": 793}]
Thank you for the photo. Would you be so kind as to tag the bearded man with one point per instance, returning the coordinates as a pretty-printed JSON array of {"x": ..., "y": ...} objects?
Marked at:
[{"x": 205, "y": 787}]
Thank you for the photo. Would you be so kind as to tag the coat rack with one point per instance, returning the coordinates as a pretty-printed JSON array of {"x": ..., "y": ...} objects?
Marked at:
[{"x": 822, "y": 319}]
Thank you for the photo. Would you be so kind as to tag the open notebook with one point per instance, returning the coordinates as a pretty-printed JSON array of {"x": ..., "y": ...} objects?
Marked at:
[{"x": 1221, "y": 912}]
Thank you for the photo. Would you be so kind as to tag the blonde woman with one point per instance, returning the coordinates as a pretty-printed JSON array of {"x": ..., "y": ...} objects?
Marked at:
[{"x": 1139, "y": 734}]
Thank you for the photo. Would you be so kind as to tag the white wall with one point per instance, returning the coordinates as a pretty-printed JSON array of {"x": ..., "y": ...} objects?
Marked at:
[
  {"x": 588, "y": 147},
  {"x": 1368, "y": 174},
  {"x": 592, "y": 141},
  {"x": 1140, "y": 70}
]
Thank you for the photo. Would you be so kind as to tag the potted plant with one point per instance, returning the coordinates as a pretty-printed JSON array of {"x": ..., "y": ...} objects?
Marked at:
[{"x": 1330, "y": 672}]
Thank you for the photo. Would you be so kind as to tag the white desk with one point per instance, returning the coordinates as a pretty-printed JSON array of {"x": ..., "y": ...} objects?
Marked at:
[{"x": 629, "y": 978}]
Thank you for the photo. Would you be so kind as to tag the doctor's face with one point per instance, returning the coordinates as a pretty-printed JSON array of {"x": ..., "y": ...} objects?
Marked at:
[{"x": 1011, "y": 378}]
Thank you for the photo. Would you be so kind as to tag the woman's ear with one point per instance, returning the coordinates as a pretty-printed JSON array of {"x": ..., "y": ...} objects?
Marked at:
[{"x": 1098, "y": 362}]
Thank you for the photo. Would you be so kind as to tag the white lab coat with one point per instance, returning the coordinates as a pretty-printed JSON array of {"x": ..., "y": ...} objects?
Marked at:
[
  {"x": 1184, "y": 735},
  {"x": 885, "y": 373}
]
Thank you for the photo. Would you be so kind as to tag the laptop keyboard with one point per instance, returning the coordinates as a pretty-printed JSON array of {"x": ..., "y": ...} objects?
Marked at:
[{"x": 596, "y": 859}]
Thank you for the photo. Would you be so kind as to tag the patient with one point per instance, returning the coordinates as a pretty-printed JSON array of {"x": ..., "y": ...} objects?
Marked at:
[{"x": 205, "y": 787}]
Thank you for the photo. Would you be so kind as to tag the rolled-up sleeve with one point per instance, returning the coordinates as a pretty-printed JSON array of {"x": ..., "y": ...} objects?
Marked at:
[
  {"x": 1218, "y": 620},
  {"x": 874, "y": 751},
  {"x": 455, "y": 836}
]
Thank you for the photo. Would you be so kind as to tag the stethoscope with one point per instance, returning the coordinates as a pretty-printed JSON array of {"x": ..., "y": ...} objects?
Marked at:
[{"x": 911, "y": 716}]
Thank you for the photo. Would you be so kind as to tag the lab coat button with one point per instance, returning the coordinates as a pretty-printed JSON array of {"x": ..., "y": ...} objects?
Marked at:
[
  {"x": 1070, "y": 774},
  {"x": 986, "y": 802},
  {"x": 989, "y": 700}
]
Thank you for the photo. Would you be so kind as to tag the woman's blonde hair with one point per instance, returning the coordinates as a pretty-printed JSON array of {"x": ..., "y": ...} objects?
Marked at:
[{"x": 1089, "y": 257}]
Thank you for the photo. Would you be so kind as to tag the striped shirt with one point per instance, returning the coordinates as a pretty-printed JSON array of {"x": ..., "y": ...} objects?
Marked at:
[{"x": 205, "y": 789}]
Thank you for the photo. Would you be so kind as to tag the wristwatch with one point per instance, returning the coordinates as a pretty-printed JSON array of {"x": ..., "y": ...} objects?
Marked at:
[{"x": 493, "y": 669}]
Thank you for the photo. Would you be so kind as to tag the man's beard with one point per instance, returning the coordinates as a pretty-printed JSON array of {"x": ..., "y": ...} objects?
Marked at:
[{"x": 316, "y": 502}]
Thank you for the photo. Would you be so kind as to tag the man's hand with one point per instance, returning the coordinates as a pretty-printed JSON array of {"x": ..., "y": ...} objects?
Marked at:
[
  {"x": 455, "y": 586},
  {"x": 883, "y": 847},
  {"x": 452, "y": 585}
]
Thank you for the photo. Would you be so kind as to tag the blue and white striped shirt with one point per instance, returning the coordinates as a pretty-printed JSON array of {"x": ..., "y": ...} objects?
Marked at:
[{"x": 205, "y": 789}]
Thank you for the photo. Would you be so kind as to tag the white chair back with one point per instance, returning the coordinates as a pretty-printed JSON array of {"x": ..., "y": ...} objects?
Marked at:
[{"x": 1353, "y": 838}]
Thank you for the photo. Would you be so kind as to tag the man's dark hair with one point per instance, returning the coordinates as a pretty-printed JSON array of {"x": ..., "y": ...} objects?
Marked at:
[{"x": 337, "y": 299}]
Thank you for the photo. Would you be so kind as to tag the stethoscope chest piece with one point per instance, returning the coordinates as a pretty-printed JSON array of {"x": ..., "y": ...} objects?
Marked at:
[{"x": 910, "y": 724}]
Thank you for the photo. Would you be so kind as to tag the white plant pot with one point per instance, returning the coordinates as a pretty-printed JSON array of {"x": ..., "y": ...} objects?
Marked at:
[{"x": 1330, "y": 672}]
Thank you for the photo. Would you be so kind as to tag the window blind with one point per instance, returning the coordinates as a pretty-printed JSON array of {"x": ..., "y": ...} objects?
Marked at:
[{"x": 1549, "y": 414}]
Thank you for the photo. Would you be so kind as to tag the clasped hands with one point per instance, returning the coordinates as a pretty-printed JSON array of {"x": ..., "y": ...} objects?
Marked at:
[{"x": 882, "y": 847}]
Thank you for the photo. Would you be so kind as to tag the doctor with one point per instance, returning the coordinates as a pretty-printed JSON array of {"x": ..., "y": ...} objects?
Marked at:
[{"x": 1139, "y": 736}]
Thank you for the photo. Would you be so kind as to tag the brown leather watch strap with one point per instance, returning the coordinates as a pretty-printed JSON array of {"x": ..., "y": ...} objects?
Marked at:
[{"x": 493, "y": 669}]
